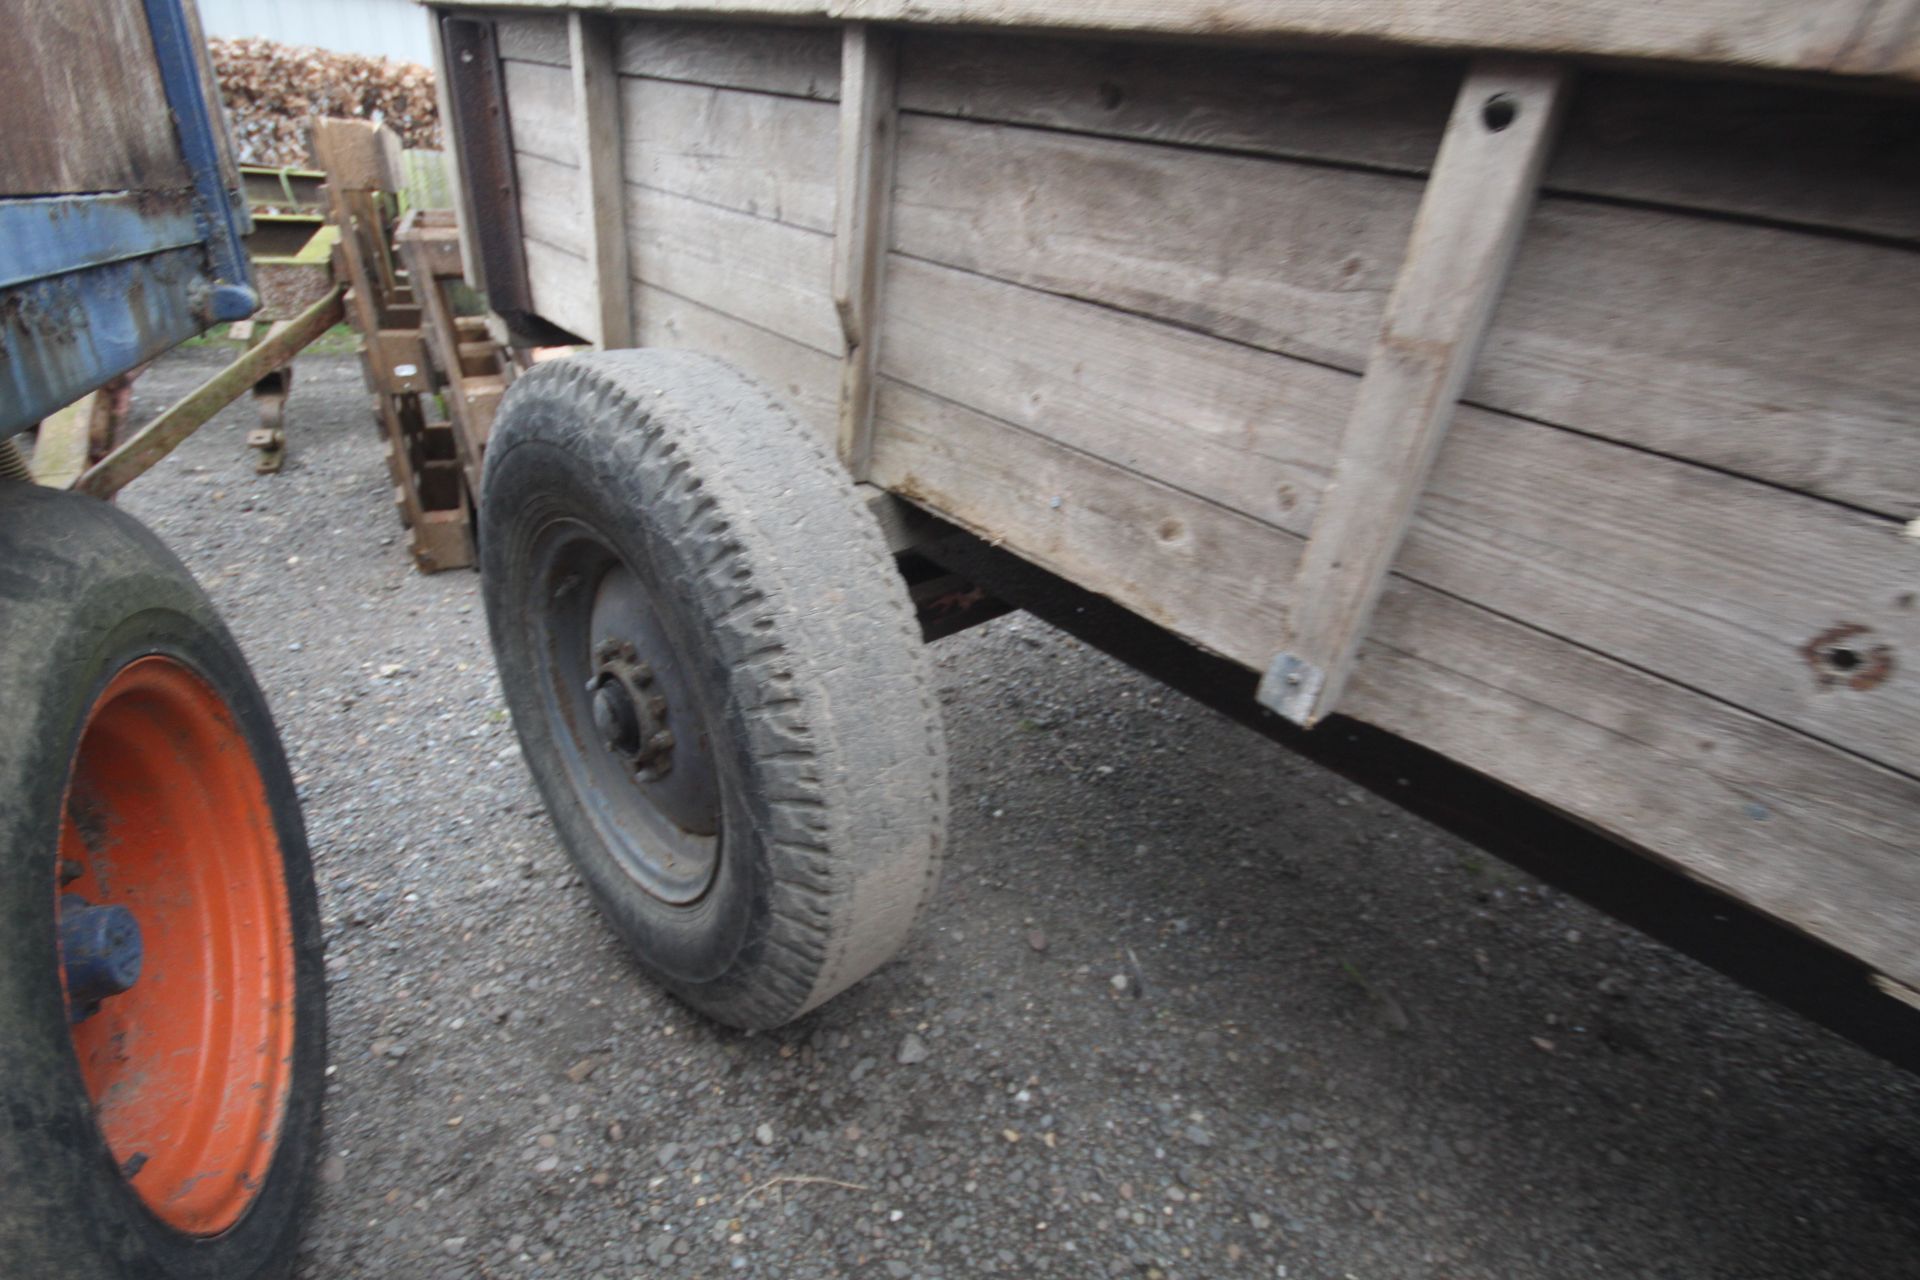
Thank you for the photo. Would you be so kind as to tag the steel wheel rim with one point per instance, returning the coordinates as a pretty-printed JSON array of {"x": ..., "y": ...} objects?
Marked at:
[
  {"x": 189, "y": 1070},
  {"x": 597, "y": 622}
]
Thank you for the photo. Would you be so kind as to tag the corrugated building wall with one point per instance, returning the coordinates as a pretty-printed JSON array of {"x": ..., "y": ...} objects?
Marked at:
[{"x": 389, "y": 28}]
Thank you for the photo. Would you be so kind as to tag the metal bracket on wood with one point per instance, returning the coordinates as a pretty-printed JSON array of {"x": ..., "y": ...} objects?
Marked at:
[
  {"x": 596, "y": 96},
  {"x": 869, "y": 128},
  {"x": 476, "y": 93},
  {"x": 1464, "y": 239}
]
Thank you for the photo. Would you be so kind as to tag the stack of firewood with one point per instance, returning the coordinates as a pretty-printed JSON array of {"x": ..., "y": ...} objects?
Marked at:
[{"x": 273, "y": 92}]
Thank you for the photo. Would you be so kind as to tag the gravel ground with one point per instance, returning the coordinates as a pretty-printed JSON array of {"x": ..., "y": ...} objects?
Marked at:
[{"x": 1185, "y": 1005}]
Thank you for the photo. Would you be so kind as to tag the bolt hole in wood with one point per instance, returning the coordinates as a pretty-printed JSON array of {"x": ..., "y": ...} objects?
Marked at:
[
  {"x": 1498, "y": 112},
  {"x": 1845, "y": 655}
]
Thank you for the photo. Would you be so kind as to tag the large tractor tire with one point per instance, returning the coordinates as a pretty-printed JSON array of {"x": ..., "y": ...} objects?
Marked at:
[
  {"x": 162, "y": 1031},
  {"x": 716, "y": 676}
]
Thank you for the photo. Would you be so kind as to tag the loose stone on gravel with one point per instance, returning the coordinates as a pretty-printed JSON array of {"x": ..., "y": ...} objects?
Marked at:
[{"x": 913, "y": 1051}]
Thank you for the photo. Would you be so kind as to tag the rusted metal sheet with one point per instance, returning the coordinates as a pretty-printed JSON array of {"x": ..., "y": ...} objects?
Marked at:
[
  {"x": 478, "y": 98},
  {"x": 62, "y": 336}
]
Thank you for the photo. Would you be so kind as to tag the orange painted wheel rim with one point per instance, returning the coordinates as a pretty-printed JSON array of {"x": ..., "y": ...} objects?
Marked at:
[{"x": 189, "y": 1070}]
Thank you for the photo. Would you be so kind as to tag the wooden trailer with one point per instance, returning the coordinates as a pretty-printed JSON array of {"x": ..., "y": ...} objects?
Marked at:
[{"x": 1537, "y": 385}]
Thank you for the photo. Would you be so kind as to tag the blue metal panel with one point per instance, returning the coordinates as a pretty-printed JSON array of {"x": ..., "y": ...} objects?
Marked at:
[
  {"x": 49, "y": 235},
  {"x": 65, "y": 335}
]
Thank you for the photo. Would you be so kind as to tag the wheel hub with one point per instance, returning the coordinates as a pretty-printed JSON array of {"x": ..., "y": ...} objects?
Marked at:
[
  {"x": 100, "y": 953},
  {"x": 629, "y": 712}
]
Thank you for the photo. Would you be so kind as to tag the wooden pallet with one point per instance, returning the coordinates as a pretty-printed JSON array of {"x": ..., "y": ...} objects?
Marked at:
[
  {"x": 471, "y": 369},
  {"x": 362, "y": 162}
]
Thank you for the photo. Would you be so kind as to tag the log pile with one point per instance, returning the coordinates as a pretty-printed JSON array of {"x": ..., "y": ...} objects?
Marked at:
[{"x": 274, "y": 92}]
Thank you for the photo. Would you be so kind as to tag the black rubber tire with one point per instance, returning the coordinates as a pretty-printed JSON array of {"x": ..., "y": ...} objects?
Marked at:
[
  {"x": 84, "y": 590},
  {"x": 814, "y": 684}
]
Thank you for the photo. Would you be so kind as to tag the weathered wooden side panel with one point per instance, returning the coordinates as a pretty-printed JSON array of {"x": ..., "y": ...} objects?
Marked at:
[
  {"x": 729, "y": 159},
  {"x": 64, "y": 62},
  {"x": 1716, "y": 582},
  {"x": 1738, "y": 345},
  {"x": 1762, "y": 151},
  {"x": 1129, "y": 296}
]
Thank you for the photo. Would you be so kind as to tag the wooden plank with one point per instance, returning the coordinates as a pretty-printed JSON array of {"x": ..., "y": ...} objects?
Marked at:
[
  {"x": 1763, "y": 351},
  {"x": 474, "y": 372},
  {"x": 540, "y": 111},
  {"x": 869, "y": 130},
  {"x": 358, "y": 155},
  {"x": 597, "y": 121},
  {"x": 61, "y": 446},
  {"x": 556, "y": 281},
  {"x": 769, "y": 156},
  {"x": 798, "y": 62},
  {"x": 354, "y": 146},
  {"x": 1464, "y": 240},
  {"x": 1731, "y": 798},
  {"x": 795, "y": 61},
  {"x": 766, "y": 273},
  {"x": 1707, "y": 579},
  {"x": 1856, "y": 37},
  {"x": 533, "y": 37},
  {"x": 805, "y": 380},
  {"x": 754, "y": 153},
  {"x": 1786, "y": 153}
]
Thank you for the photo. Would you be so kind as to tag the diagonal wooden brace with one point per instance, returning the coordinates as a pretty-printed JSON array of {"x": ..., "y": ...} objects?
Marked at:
[{"x": 1464, "y": 239}]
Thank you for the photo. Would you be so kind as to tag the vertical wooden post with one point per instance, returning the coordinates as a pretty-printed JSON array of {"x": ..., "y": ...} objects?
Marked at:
[
  {"x": 1464, "y": 239},
  {"x": 603, "y": 202},
  {"x": 869, "y": 128}
]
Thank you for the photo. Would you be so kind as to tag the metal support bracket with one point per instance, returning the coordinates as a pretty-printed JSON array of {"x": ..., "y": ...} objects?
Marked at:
[
  {"x": 1464, "y": 240},
  {"x": 869, "y": 126}
]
